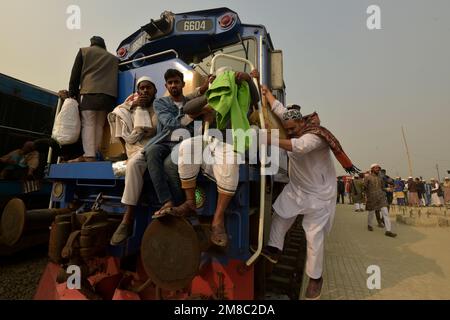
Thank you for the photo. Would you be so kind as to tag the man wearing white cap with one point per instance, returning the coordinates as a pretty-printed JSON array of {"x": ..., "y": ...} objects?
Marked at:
[
  {"x": 133, "y": 123},
  {"x": 437, "y": 198},
  {"x": 446, "y": 190},
  {"x": 311, "y": 190},
  {"x": 413, "y": 198},
  {"x": 376, "y": 199}
]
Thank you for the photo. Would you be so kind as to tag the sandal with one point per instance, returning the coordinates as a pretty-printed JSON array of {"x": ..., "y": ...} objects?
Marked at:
[
  {"x": 182, "y": 211},
  {"x": 82, "y": 159},
  {"x": 219, "y": 236},
  {"x": 161, "y": 212}
]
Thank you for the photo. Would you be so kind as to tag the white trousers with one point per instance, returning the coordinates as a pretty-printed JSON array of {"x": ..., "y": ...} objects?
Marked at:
[
  {"x": 92, "y": 123},
  {"x": 314, "y": 225},
  {"x": 359, "y": 206},
  {"x": 436, "y": 200},
  {"x": 134, "y": 179},
  {"x": 217, "y": 160},
  {"x": 385, "y": 213}
]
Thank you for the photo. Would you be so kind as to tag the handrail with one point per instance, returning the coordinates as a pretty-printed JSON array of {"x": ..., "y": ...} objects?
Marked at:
[
  {"x": 253, "y": 258},
  {"x": 151, "y": 56},
  {"x": 50, "y": 150},
  {"x": 263, "y": 159},
  {"x": 224, "y": 55},
  {"x": 23, "y": 130}
]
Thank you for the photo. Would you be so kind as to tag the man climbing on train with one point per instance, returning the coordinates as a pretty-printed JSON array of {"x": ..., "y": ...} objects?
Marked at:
[{"x": 311, "y": 190}]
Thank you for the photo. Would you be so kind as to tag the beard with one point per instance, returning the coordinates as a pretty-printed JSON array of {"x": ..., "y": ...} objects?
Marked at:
[{"x": 175, "y": 92}]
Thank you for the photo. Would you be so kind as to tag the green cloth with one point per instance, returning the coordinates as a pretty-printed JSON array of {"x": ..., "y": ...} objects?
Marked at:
[{"x": 231, "y": 101}]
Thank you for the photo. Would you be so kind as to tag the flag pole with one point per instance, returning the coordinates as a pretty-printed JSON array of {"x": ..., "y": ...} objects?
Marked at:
[{"x": 407, "y": 154}]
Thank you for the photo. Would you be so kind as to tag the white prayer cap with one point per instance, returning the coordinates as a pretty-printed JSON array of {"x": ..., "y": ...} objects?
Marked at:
[
  {"x": 446, "y": 178},
  {"x": 222, "y": 70},
  {"x": 410, "y": 177},
  {"x": 144, "y": 78},
  {"x": 374, "y": 165}
]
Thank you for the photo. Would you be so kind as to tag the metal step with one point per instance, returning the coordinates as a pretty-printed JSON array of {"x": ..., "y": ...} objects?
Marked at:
[{"x": 279, "y": 280}]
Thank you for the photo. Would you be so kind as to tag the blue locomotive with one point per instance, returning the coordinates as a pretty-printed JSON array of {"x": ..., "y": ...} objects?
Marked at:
[{"x": 172, "y": 258}]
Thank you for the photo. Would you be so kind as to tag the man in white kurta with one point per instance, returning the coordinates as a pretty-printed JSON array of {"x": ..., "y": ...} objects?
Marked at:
[
  {"x": 311, "y": 192},
  {"x": 133, "y": 123}
]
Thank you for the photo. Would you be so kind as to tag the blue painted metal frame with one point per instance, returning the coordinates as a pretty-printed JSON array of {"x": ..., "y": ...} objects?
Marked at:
[
  {"x": 15, "y": 187},
  {"x": 91, "y": 178},
  {"x": 28, "y": 92}
]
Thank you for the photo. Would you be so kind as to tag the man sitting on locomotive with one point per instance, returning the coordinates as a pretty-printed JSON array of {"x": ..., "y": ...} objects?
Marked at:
[
  {"x": 219, "y": 161},
  {"x": 169, "y": 110},
  {"x": 134, "y": 129},
  {"x": 123, "y": 124}
]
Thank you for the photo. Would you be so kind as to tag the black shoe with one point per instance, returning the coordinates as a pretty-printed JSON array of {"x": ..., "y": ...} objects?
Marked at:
[
  {"x": 380, "y": 225},
  {"x": 122, "y": 233},
  {"x": 369, "y": 228},
  {"x": 271, "y": 253},
  {"x": 390, "y": 234}
]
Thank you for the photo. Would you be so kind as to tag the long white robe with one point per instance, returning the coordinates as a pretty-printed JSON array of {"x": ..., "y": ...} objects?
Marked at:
[
  {"x": 311, "y": 191},
  {"x": 312, "y": 177}
]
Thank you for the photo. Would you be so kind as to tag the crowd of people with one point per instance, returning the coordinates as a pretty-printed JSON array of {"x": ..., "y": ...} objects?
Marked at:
[
  {"x": 145, "y": 125},
  {"x": 415, "y": 192}
]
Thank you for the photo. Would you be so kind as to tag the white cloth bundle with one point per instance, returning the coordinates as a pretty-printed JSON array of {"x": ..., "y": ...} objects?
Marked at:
[{"x": 67, "y": 127}]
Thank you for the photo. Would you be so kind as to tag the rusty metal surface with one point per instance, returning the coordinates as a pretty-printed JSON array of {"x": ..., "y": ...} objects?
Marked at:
[
  {"x": 170, "y": 253},
  {"x": 12, "y": 222}
]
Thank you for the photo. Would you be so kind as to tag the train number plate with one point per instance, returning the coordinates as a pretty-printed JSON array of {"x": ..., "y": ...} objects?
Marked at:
[{"x": 196, "y": 25}]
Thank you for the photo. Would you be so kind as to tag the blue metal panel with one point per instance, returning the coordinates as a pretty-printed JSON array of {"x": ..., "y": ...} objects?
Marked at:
[
  {"x": 27, "y": 91},
  {"x": 15, "y": 188},
  {"x": 215, "y": 17},
  {"x": 236, "y": 217},
  {"x": 83, "y": 170},
  {"x": 190, "y": 41},
  {"x": 133, "y": 244}
]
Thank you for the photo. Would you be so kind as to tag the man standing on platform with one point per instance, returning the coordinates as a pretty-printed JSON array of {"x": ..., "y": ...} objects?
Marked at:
[{"x": 376, "y": 199}]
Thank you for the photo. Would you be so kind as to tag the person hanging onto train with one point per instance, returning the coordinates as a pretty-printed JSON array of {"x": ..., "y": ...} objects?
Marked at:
[
  {"x": 93, "y": 82},
  {"x": 230, "y": 96},
  {"x": 311, "y": 191},
  {"x": 133, "y": 123}
]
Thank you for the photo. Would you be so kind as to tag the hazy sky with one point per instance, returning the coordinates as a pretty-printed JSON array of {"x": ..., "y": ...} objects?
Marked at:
[{"x": 364, "y": 84}]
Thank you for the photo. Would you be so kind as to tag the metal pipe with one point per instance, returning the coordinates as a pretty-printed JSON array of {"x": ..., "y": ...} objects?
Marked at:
[
  {"x": 50, "y": 150},
  {"x": 262, "y": 147},
  {"x": 150, "y": 56},
  {"x": 262, "y": 192},
  {"x": 24, "y": 131},
  {"x": 407, "y": 154}
]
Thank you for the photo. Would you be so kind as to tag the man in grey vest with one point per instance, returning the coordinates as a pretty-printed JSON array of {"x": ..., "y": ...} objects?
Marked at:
[{"x": 94, "y": 79}]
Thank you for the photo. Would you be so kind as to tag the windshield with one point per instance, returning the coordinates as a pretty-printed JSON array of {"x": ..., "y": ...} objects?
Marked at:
[{"x": 246, "y": 50}]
